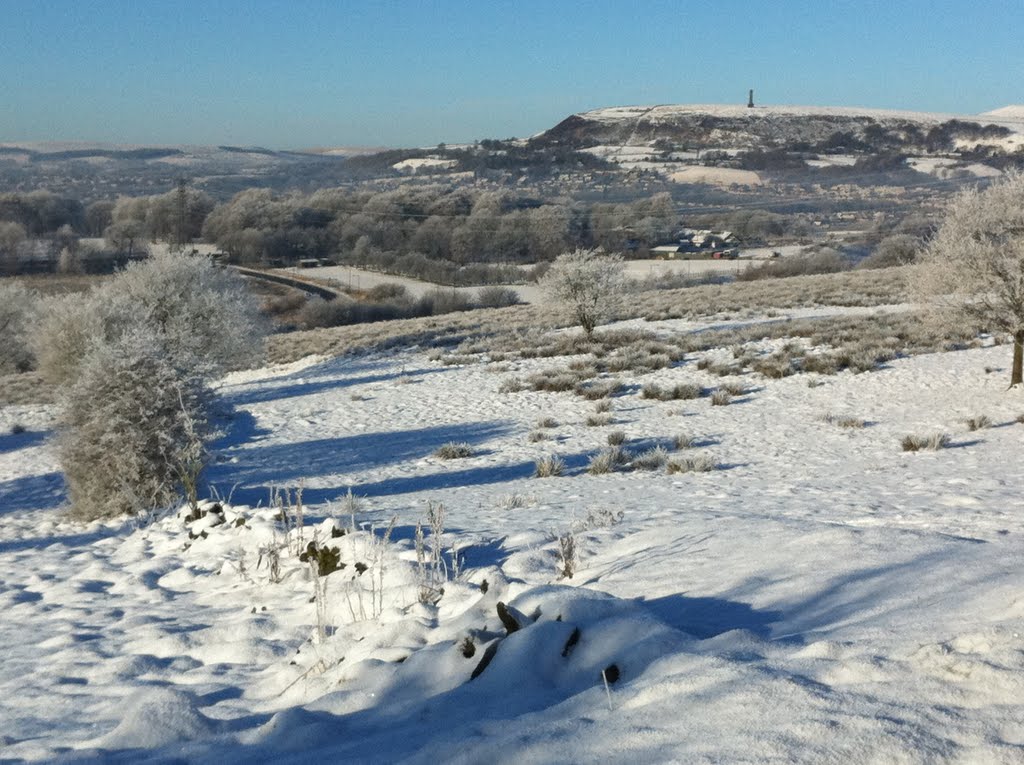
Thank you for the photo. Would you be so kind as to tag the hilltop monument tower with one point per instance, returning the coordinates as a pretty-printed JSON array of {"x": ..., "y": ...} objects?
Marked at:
[{"x": 750, "y": 99}]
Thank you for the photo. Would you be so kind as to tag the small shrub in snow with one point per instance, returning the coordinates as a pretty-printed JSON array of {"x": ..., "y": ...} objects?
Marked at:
[
  {"x": 616, "y": 438},
  {"x": 454, "y": 450},
  {"x": 553, "y": 381},
  {"x": 652, "y": 459},
  {"x": 734, "y": 388},
  {"x": 933, "y": 442},
  {"x": 537, "y": 435},
  {"x": 598, "y": 390},
  {"x": 701, "y": 463},
  {"x": 674, "y": 393},
  {"x": 547, "y": 422},
  {"x": 978, "y": 423},
  {"x": 773, "y": 369},
  {"x": 721, "y": 397},
  {"x": 511, "y": 385},
  {"x": 567, "y": 556},
  {"x": 17, "y": 429},
  {"x": 607, "y": 460},
  {"x": 844, "y": 422},
  {"x": 826, "y": 363},
  {"x": 433, "y": 570},
  {"x": 602, "y": 406},
  {"x": 682, "y": 441},
  {"x": 548, "y": 467},
  {"x": 511, "y": 501},
  {"x": 598, "y": 420}
]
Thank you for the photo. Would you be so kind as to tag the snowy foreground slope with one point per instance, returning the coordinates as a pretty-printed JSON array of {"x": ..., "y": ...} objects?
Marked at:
[{"x": 821, "y": 597}]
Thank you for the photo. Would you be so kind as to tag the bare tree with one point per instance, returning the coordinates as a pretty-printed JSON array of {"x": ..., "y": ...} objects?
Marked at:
[
  {"x": 587, "y": 283},
  {"x": 973, "y": 270}
]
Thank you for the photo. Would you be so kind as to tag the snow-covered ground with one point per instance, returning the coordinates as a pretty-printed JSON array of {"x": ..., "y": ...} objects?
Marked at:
[{"x": 822, "y": 596}]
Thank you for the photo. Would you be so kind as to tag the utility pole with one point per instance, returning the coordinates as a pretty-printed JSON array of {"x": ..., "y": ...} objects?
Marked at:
[
  {"x": 750, "y": 99},
  {"x": 182, "y": 205}
]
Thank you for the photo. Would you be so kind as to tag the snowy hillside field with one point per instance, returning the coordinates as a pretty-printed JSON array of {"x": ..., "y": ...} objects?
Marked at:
[{"x": 779, "y": 582}]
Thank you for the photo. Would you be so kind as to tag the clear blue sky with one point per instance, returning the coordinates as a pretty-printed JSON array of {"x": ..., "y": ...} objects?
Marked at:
[{"x": 310, "y": 73}]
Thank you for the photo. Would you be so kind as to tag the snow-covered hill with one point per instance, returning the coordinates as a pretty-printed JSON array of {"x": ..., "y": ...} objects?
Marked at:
[
  {"x": 807, "y": 128},
  {"x": 821, "y": 596}
]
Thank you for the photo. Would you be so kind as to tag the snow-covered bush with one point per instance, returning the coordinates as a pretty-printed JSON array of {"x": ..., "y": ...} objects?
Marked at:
[
  {"x": 68, "y": 327},
  {"x": 17, "y": 312},
  {"x": 205, "y": 318},
  {"x": 130, "y": 426},
  {"x": 132, "y": 358}
]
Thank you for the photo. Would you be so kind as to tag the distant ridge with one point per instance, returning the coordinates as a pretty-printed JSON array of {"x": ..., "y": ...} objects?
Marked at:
[
  {"x": 737, "y": 127},
  {"x": 1013, "y": 112}
]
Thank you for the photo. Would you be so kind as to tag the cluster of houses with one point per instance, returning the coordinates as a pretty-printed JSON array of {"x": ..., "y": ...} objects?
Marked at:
[{"x": 699, "y": 244}]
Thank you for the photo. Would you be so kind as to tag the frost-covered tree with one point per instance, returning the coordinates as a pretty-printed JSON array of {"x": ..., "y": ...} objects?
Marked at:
[
  {"x": 132, "y": 427},
  {"x": 586, "y": 283},
  {"x": 18, "y": 307},
  {"x": 11, "y": 235},
  {"x": 972, "y": 271}
]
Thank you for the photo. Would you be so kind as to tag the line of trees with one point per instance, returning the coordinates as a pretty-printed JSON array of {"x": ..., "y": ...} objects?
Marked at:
[{"x": 442, "y": 233}]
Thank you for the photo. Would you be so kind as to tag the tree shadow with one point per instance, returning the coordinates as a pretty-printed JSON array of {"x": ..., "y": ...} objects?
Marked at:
[
  {"x": 707, "y": 617},
  {"x": 871, "y": 592},
  {"x": 32, "y": 492},
  {"x": 307, "y": 387},
  {"x": 478, "y": 476},
  {"x": 10, "y": 442},
  {"x": 280, "y": 464}
]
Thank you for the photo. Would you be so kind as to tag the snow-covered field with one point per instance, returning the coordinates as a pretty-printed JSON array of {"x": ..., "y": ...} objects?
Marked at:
[
  {"x": 821, "y": 596},
  {"x": 639, "y": 269}
]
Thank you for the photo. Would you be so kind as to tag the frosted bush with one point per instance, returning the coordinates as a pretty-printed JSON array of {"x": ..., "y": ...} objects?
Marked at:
[
  {"x": 607, "y": 460},
  {"x": 132, "y": 428},
  {"x": 547, "y": 467},
  {"x": 204, "y": 317},
  {"x": 17, "y": 312},
  {"x": 652, "y": 459}
]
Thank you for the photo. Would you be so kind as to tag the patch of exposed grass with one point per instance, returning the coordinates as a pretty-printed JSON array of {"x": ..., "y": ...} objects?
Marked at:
[
  {"x": 549, "y": 467},
  {"x": 933, "y": 442},
  {"x": 454, "y": 450},
  {"x": 701, "y": 463}
]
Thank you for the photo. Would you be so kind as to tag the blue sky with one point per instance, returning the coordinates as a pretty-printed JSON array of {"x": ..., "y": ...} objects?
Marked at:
[{"x": 309, "y": 73}]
